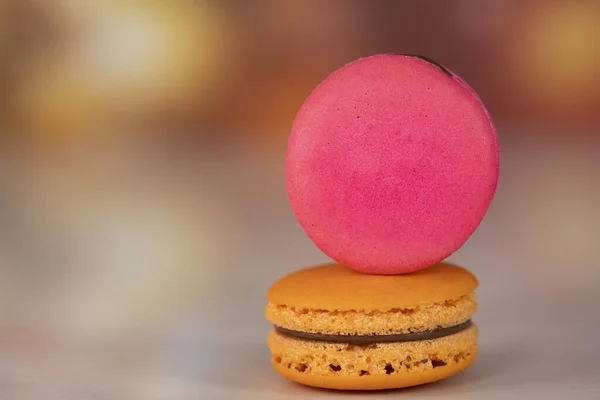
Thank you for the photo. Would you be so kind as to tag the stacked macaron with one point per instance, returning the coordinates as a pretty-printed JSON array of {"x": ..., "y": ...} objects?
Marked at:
[{"x": 392, "y": 163}]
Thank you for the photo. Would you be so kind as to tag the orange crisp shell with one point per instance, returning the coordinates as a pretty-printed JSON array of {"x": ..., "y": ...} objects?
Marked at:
[{"x": 336, "y": 287}]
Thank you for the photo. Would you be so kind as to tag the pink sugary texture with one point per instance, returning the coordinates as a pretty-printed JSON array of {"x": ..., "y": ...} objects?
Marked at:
[{"x": 391, "y": 164}]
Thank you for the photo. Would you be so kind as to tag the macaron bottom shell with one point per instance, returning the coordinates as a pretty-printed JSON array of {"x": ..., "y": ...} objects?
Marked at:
[{"x": 374, "y": 366}]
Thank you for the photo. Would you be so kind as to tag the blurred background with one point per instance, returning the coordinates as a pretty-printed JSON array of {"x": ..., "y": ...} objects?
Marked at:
[{"x": 143, "y": 211}]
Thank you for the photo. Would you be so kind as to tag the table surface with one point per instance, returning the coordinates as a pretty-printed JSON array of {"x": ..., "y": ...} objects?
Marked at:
[
  {"x": 534, "y": 343},
  {"x": 538, "y": 306}
]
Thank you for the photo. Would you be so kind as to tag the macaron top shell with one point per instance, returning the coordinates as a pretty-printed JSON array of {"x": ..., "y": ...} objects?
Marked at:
[
  {"x": 392, "y": 163},
  {"x": 336, "y": 287}
]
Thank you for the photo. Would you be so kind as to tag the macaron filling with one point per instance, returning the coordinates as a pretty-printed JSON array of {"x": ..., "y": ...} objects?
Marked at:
[
  {"x": 370, "y": 339},
  {"x": 429, "y": 60}
]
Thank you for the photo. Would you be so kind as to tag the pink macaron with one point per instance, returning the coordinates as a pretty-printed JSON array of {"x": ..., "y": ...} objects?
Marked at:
[{"x": 392, "y": 163}]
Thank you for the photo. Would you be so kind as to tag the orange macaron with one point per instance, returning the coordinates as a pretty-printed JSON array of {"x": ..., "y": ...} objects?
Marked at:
[{"x": 336, "y": 328}]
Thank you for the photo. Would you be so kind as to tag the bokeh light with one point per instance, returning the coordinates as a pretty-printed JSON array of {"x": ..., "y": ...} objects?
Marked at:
[
  {"x": 556, "y": 58},
  {"x": 121, "y": 61}
]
